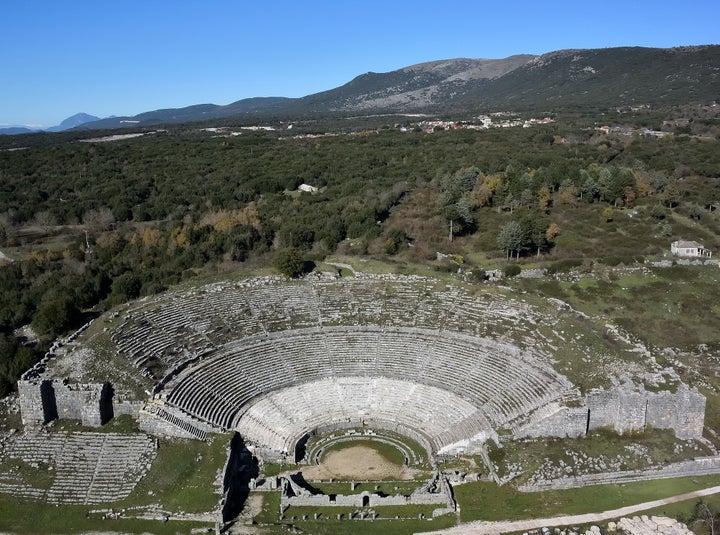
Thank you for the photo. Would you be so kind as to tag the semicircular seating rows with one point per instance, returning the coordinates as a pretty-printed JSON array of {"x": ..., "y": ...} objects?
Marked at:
[
  {"x": 496, "y": 379},
  {"x": 260, "y": 356},
  {"x": 279, "y": 419},
  {"x": 171, "y": 329}
]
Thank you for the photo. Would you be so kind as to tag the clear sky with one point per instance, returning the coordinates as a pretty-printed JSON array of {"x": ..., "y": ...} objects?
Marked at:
[{"x": 123, "y": 57}]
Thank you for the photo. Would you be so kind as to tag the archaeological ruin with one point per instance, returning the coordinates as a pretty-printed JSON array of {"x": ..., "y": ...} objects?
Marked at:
[{"x": 451, "y": 367}]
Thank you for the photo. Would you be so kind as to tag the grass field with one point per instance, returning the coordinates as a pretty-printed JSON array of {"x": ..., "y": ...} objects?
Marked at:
[
  {"x": 39, "y": 518},
  {"x": 486, "y": 501}
]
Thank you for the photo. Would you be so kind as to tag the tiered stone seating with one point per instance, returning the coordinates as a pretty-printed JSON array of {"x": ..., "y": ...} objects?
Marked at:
[
  {"x": 88, "y": 468},
  {"x": 279, "y": 419},
  {"x": 225, "y": 345},
  {"x": 168, "y": 331},
  {"x": 498, "y": 380}
]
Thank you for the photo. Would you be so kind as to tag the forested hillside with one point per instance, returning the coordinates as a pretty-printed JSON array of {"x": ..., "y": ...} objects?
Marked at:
[{"x": 94, "y": 224}]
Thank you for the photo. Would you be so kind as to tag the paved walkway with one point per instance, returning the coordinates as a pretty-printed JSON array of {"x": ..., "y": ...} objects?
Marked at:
[{"x": 489, "y": 528}]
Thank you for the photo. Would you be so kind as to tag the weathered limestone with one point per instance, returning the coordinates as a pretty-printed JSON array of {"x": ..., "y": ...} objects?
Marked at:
[
  {"x": 625, "y": 408},
  {"x": 277, "y": 360},
  {"x": 697, "y": 467},
  {"x": 84, "y": 468},
  {"x": 45, "y": 400},
  {"x": 654, "y": 525},
  {"x": 432, "y": 373},
  {"x": 158, "y": 418},
  {"x": 435, "y": 492}
]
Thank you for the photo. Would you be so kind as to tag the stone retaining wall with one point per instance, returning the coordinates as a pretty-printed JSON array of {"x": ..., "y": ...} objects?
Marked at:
[{"x": 625, "y": 408}]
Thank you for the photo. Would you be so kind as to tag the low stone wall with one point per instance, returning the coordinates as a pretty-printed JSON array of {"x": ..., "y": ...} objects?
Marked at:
[
  {"x": 436, "y": 492},
  {"x": 697, "y": 467}
]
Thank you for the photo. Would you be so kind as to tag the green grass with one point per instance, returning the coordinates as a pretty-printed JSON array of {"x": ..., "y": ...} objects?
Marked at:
[
  {"x": 486, "y": 501},
  {"x": 178, "y": 480},
  {"x": 18, "y": 517},
  {"x": 372, "y": 527},
  {"x": 329, "y": 524},
  {"x": 37, "y": 477},
  {"x": 664, "y": 307},
  {"x": 119, "y": 424},
  {"x": 388, "y": 526}
]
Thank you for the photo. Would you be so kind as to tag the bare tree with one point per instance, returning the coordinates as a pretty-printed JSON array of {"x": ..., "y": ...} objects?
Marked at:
[
  {"x": 99, "y": 220},
  {"x": 45, "y": 220}
]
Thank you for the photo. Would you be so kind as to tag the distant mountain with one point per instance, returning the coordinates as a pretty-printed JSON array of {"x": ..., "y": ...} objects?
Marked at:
[
  {"x": 198, "y": 112},
  {"x": 565, "y": 79},
  {"x": 596, "y": 78},
  {"x": 71, "y": 122},
  {"x": 13, "y": 130}
]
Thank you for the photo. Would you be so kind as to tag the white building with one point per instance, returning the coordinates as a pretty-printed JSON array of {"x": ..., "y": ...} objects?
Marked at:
[{"x": 690, "y": 249}]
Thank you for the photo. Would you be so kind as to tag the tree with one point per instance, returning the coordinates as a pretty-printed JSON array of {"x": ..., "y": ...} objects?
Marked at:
[
  {"x": 126, "y": 287},
  {"x": 658, "y": 212},
  {"x": 544, "y": 199},
  {"x": 696, "y": 212},
  {"x": 45, "y": 220},
  {"x": 607, "y": 214},
  {"x": 99, "y": 220},
  {"x": 289, "y": 262},
  {"x": 455, "y": 199},
  {"x": 552, "y": 231},
  {"x": 511, "y": 238},
  {"x": 534, "y": 227},
  {"x": 57, "y": 313},
  {"x": 704, "y": 514}
]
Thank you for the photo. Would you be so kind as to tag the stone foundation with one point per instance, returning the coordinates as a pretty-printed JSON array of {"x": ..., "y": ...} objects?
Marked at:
[{"x": 435, "y": 492}]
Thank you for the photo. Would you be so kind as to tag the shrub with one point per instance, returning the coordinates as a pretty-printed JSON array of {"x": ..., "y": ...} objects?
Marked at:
[
  {"x": 626, "y": 260},
  {"x": 511, "y": 270},
  {"x": 289, "y": 262},
  {"x": 564, "y": 265}
]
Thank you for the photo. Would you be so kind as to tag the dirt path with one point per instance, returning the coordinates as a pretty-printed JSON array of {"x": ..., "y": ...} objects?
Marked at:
[
  {"x": 357, "y": 462},
  {"x": 487, "y": 528}
]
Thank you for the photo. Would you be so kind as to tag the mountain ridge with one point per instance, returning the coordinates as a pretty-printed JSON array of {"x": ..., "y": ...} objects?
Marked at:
[{"x": 562, "y": 79}]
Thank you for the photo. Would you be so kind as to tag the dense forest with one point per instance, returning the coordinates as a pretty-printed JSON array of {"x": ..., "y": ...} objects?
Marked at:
[{"x": 91, "y": 224}]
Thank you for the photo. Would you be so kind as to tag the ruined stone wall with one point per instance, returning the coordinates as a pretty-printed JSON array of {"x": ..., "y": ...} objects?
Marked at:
[
  {"x": 435, "y": 492},
  {"x": 625, "y": 408},
  {"x": 42, "y": 401},
  {"x": 364, "y": 499},
  {"x": 683, "y": 411},
  {"x": 31, "y": 403},
  {"x": 697, "y": 467},
  {"x": 127, "y": 407}
]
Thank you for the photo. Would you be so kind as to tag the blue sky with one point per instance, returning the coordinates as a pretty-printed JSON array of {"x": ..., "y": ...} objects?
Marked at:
[{"x": 123, "y": 57}]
